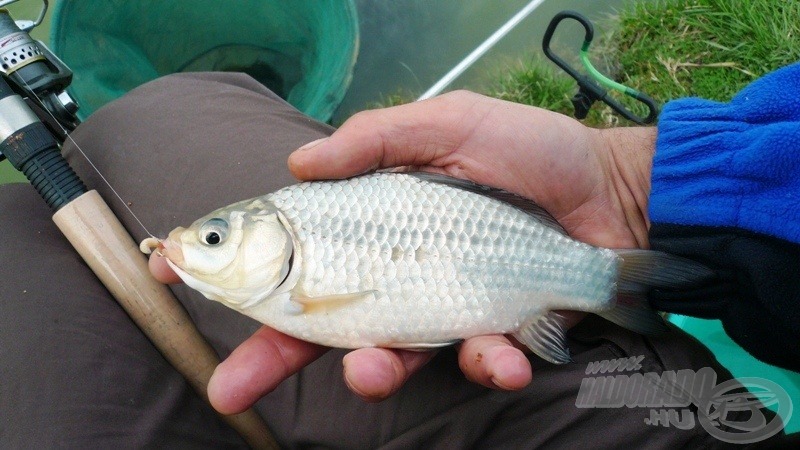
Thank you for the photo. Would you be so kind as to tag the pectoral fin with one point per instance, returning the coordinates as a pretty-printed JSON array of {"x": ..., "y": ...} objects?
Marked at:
[
  {"x": 545, "y": 337},
  {"x": 322, "y": 304}
]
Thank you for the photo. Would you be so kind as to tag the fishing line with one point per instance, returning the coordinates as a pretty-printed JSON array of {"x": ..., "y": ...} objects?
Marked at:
[{"x": 96, "y": 169}]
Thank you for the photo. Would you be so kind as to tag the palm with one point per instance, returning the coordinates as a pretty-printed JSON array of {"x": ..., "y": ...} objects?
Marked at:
[{"x": 516, "y": 152}]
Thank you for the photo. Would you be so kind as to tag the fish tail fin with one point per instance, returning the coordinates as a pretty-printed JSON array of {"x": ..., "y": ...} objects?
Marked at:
[
  {"x": 642, "y": 270},
  {"x": 645, "y": 269}
]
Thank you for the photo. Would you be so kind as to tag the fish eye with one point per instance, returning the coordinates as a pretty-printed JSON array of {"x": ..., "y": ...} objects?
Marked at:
[{"x": 214, "y": 231}]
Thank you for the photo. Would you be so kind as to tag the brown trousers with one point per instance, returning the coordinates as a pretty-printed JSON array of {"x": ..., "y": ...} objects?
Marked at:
[{"x": 76, "y": 373}]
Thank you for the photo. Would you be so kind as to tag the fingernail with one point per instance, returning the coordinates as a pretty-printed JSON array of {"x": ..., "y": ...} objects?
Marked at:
[
  {"x": 312, "y": 144},
  {"x": 346, "y": 377},
  {"x": 510, "y": 370},
  {"x": 500, "y": 385},
  {"x": 353, "y": 386}
]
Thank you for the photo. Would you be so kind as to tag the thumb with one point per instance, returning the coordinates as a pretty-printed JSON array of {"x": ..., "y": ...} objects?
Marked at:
[
  {"x": 415, "y": 134},
  {"x": 161, "y": 270},
  {"x": 337, "y": 156}
]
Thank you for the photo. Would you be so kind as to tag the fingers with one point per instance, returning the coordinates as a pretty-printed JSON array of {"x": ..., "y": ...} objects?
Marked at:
[
  {"x": 499, "y": 362},
  {"x": 256, "y": 367},
  {"x": 262, "y": 362},
  {"x": 494, "y": 362},
  {"x": 375, "y": 374},
  {"x": 267, "y": 358},
  {"x": 161, "y": 270},
  {"x": 415, "y": 134}
]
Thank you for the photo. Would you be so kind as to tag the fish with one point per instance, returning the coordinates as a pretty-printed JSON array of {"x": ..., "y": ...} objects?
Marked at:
[{"x": 414, "y": 261}]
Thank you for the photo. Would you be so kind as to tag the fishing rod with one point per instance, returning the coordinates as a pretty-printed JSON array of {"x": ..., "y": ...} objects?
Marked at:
[
  {"x": 480, "y": 50},
  {"x": 36, "y": 116}
]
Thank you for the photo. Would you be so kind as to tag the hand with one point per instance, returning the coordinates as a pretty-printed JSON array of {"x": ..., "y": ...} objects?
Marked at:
[{"x": 596, "y": 183}]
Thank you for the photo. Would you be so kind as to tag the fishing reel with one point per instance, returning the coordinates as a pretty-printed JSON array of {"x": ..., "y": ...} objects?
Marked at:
[
  {"x": 36, "y": 112},
  {"x": 35, "y": 73}
]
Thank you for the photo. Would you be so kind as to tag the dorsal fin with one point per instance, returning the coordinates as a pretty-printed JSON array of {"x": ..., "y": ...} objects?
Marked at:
[{"x": 517, "y": 201}]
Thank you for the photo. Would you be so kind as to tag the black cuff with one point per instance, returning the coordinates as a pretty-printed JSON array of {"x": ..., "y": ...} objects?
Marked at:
[{"x": 756, "y": 294}]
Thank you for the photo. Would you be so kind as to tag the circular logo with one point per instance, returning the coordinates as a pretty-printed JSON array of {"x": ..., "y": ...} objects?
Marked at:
[{"x": 731, "y": 407}]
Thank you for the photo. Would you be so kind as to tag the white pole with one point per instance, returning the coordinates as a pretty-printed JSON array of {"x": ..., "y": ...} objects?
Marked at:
[{"x": 456, "y": 71}]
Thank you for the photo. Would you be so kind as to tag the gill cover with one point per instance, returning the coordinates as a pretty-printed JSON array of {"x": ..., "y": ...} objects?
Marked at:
[{"x": 234, "y": 255}]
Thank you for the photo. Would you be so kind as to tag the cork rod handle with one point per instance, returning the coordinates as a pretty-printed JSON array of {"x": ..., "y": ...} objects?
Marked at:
[{"x": 111, "y": 253}]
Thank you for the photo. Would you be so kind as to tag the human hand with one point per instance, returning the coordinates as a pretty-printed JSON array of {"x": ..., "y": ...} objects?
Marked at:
[{"x": 595, "y": 183}]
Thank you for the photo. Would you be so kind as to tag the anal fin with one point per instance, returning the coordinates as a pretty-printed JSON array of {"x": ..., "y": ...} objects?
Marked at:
[{"x": 545, "y": 336}]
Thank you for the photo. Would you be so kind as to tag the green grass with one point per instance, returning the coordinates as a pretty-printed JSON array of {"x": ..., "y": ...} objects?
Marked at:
[
  {"x": 8, "y": 174},
  {"x": 667, "y": 49},
  {"x": 397, "y": 98},
  {"x": 532, "y": 82},
  {"x": 670, "y": 49},
  {"x": 705, "y": 48},
  {"x": 537, "y": 81}
]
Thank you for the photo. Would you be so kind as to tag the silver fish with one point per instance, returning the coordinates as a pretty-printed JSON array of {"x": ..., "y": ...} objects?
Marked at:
[{"x": 414, "y": 261}]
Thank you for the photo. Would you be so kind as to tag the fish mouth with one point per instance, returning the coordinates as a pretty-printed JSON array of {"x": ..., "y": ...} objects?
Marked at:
[{"x": 171, "y": 249}]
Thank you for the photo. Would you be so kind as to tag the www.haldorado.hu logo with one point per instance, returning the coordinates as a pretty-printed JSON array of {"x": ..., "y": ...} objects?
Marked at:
[{"x": 731, "y": 411}]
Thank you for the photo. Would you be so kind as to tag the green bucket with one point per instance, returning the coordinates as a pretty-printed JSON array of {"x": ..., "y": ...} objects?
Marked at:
[{"x": 304, "y": 50}]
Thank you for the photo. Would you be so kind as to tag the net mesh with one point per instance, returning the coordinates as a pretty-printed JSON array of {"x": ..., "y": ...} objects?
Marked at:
[{"x": 304, "y": 50}]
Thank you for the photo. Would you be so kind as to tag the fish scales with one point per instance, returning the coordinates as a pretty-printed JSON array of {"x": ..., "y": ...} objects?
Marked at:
[
  {"x": 414, "y": 261},
  {"x": 439, "y": 263}
]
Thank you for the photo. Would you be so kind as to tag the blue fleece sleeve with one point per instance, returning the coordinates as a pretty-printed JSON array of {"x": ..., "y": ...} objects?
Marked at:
[{"x": 732, "y": 164}]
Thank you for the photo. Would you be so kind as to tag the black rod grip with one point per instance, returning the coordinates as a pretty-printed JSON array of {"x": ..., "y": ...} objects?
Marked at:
[{"x": 35, "y": 152}]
